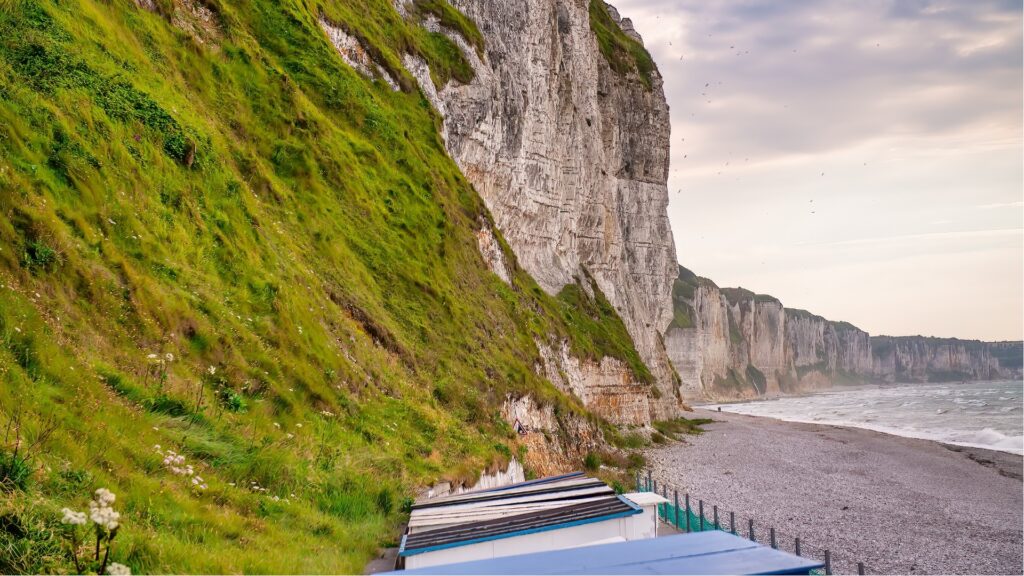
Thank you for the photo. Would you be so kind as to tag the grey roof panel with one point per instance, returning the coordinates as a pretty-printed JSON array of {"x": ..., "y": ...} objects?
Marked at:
[{"x": 550, "y": 519}]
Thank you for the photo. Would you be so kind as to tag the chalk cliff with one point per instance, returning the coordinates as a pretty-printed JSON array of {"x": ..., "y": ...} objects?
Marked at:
[
  {"x": 920, "y": 358},
  {"x": 566, "y": 138},
  {"x": 730, "y": 343}
]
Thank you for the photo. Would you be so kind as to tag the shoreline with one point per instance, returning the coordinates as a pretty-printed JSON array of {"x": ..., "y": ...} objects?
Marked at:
[
  {"x": 887, "y": 430},
  {"x": 899, "y": 504}
]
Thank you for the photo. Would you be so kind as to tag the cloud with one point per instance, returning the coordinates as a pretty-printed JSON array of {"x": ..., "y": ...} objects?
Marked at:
[
  {"x": 931, "y": 236},
  {"x": 810, "y": 137},
  {"x": 1017, "y": 204}
]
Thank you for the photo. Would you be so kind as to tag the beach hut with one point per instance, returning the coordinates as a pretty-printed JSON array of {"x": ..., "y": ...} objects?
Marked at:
[{"x": 540, "y": 515}]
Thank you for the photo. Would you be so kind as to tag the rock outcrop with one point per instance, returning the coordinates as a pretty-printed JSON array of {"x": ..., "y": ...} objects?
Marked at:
[
  {"x": 571, "y": 158},
  {"x": 555, "y": 441},
  {"x": 730, "y": 343},
  {"x": 607, "y": 388}
]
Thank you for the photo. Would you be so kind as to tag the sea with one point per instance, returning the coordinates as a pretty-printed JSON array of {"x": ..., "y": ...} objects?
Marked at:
[{"x": 978, "y": 414}]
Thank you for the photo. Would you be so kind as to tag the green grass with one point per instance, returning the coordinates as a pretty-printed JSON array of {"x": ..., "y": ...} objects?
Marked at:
[
  {"x": 451, "y": 18},
  {"x": 624, "y": 55},
  {"x": 253, "y": 206},
  {"x": 596, "y": 329},
  {"x": 387, "y": 36},
  {"x": 680, "y": 426},
  {"x": 683, "y": 290}
]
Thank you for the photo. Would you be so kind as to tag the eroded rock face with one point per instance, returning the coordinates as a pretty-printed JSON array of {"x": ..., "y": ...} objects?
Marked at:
[
  {"x": 571, "y": 159},
  {"x": 607, "y": 388},
  {"x": 490, "y": 251},
  {"x": 555, "y": 443}
]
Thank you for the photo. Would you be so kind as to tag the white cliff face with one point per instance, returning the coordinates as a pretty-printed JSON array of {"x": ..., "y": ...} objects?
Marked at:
[
  {"x": 571, "y": 159},
  {"x": 822, "y": 352},
  {"x": 730, "y": 343},
  {"x": 920, "y": 359}
]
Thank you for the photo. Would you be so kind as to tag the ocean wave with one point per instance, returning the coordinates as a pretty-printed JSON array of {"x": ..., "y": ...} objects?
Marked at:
[{"x": 926, "y": 413}]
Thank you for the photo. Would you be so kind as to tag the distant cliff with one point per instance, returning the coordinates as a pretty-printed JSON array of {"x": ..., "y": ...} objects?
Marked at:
[
  {"x": 731, "y": 343},
  {"x": 920, "y": 358}
]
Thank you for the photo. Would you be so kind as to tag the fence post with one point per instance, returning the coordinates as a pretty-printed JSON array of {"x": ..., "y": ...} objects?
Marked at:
[
  {"x": 715, "y": 508},
  {"x": 639, "y": 488},
  {"x": 797, "y": 546},
  {"x": 732, "y": 522},
  {"x": 664, "y": 494},
  {"x": 860, "y": 568},
  {"x": 774, "y": 544},
  {"x": 752, "y": 530},
  {"x": 677, "y": 508},
  {"x": 701, "y": 503},
  {"x": 648, "y": 481},
  {"x": 828, "y": 563},
  {"x": 654, "y": 487},
  {"x": 688, "y": 513}
]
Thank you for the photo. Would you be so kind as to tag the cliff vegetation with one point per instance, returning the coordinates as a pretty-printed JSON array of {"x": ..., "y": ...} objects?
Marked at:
[{"x": 220, "y": 240}]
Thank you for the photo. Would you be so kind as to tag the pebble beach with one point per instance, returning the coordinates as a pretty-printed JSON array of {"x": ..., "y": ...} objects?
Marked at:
[{"x": 900, "y": 505}]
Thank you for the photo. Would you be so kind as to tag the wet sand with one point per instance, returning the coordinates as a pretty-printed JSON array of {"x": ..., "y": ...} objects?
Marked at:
[{"x": 899, "y": 505}]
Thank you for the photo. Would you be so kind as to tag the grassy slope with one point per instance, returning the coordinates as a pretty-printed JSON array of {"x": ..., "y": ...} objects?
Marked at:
[
  {"x": 249, "y": 204},
  {"x": 625, "y": 55}
]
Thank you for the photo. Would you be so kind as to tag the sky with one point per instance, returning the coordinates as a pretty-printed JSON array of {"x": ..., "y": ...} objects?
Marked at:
[{"x": 858, "y": 159}]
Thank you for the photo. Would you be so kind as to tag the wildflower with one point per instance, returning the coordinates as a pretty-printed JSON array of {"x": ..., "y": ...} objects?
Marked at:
[
  {"x": 290, "y": 435},
  {"x": 156, "y": 447},
  {"x": 212, "y": 370},
  {"x": 169, "y": 357},
  {"x": 326, "y": 413},
  {"x": 100, "y": 511},
  {"x": 298, "y": 424},
  {"x": 73, "y": 518},
  {"x": 105, "y": 497},
  {"x": 116, "y": 569},
  {"x": 151, "y": 357},
  {"x": 276, "y": 425}
]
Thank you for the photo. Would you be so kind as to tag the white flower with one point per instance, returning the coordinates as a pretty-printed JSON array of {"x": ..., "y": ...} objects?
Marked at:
[
  {"x": 169, "y": 357},
  {"x": 151, "y": 356},
  {"x": 298, "y": 424},
  {"x": 104, "y": 516},
  {"x": 212, "y": 370},
  {"x": 105, "y": 497},
  {"x": 73, "y": 518},
  {"x": 276, "y": 425},
  {"x": 116, "y": 569},
  {"x": 326, "y": 413},
  {"x": 290, "y": 435}
]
